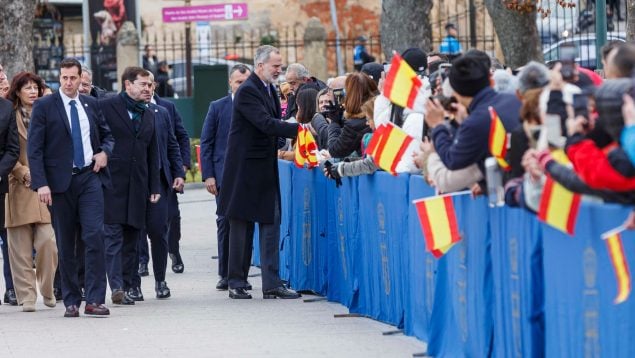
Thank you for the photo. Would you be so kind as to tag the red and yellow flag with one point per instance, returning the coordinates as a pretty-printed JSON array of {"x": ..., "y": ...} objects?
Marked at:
[
  {"x": 498, "y": 139},
  {"x": 402, "y": 84},
  {"x": 559, "y": 207},
  {"x": 305, "y": 148},
  {"x": 438, "y": 223},
  {"x": 620, "y": 265},
  {"x": 387, "y": 146}
]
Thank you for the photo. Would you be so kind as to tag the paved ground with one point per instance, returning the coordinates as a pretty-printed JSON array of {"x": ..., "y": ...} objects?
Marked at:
[{"x": 199, "y": 321}]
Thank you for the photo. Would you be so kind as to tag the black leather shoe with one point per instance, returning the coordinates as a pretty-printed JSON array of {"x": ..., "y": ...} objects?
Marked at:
[
  {"x": 162, "y": 290},
  {"x": 248, "y": 286},
  {"x": 280, "y": 292},
  {"x": 177, "y": 263},
  {"x": 222, "y": 284},
  {"x": 239, "y": 294},
  {"x": 57, "y": 292},
  {"x": 71, "y": 311},
  {"x": 143, "y": 270},
  {"x": 135, "y": 294},
  {"x": 9, "y": 297}
]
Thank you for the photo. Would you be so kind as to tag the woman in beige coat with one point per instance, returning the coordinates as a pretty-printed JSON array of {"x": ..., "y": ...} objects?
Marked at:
[{"x": 27, "y": 220}]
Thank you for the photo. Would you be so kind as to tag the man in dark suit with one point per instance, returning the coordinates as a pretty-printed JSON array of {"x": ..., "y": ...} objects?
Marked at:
[
  {"x": 172, "y": 177},
  {"x": 174, "y": 214},
  {"x": 213, "y": 145},
  {"x": 134, "y": 167},
  {"x": 68, "y": 148},
  {"x": 251, "y": 187},
  {"x": 9, "y": 152}
]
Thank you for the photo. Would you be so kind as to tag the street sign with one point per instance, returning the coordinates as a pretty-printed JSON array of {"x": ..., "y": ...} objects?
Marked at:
[{"x": 216, "y": 12}]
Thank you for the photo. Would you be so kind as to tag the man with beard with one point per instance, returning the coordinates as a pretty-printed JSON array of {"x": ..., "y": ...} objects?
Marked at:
[
  {"x": 251, "y": 187},
  {"x": 134, "y": 167}
]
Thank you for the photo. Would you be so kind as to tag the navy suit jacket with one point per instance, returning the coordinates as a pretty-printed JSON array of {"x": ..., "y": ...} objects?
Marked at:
[
  {"x": 214, "y": 138},
  {"x": 251, "y": 185},
  {"x": 171, "y": 165},
  {"x": 50, "y": 145},
  {"x": 179, "y": 130}
]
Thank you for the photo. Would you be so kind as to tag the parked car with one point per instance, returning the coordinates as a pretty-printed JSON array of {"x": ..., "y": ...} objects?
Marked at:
[
  {"x": 561, "y": 22},
  {"x": 585, "y": 45},
  {"x": 177, "y": 76}
]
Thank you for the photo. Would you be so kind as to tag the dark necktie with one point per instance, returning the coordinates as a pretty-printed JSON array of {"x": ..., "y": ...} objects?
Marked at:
[{"x": 76, "y": 133}]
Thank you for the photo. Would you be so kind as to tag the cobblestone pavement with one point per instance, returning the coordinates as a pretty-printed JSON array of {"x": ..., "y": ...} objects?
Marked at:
[{"x": 198, "y": 321}]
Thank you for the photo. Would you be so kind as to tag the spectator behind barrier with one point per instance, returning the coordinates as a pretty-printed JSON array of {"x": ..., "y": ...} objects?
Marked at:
[
  {"x": 469, "y": 78},
  {"x": 305, "y": 104},
  {"x": 345, "y": 135},
  {"x": 319, "y": 122},
  {"x": 356, "y": 167},
  {"x": 411, "y": 122},
  {"x": 298, "y": 77}
]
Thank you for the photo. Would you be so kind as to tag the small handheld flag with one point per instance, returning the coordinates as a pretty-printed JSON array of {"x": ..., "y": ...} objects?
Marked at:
[
  {"x": 387, "y": 146},
  {"x": 498, "y": 140},
  {"x": 614, "y": 245},
  {"x": 559, "y": 207}
]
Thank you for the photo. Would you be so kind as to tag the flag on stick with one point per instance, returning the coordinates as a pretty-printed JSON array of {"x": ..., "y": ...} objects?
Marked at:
[
  {"x": 613, "y": 241},
  {"x": 403, "y": 86},
  {"x": 559, "y": 207},
  {"x": 387, "y": 146},
  {"x": 498, "y": 139},
  {"x": 438, "y": 222},
  {"x": 305, "y": 148}
]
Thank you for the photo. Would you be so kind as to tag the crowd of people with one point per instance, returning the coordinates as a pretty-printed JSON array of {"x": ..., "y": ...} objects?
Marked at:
[
  {"x": 89, "y": 175},
  {"x": 77, "y": 208}
]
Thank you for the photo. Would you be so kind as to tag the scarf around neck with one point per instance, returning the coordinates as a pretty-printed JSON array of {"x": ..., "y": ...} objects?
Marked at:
[{"x": 137, "y": 108}]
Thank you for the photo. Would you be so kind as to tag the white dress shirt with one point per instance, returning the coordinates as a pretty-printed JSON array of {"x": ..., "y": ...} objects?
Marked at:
[{"x": 83, "y": 124}]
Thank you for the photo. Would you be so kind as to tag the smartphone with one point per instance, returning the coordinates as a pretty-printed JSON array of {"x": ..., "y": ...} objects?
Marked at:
[
  {"x": 581, "y": 106},
  {"x": 568, "y": 54}
]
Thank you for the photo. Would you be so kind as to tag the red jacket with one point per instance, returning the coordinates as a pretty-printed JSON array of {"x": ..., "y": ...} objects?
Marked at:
[{"x": 592, "y": 164}]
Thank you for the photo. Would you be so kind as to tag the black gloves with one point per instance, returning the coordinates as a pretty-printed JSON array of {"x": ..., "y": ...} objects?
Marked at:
[{"x": 330, "y": 171}]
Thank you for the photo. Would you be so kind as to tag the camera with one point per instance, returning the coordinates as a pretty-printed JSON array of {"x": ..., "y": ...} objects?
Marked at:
[
  {"x": 338, "y": 96},
  {"x": 446, "y": 102}
]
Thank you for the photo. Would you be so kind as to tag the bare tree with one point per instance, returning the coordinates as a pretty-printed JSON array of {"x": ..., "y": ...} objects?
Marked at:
[
  {"x": 516, "y": 31},
  {"x": 405, "y": 24},
  {"x": 16, "y": 35},
  {"x": 630, "y": 20}
]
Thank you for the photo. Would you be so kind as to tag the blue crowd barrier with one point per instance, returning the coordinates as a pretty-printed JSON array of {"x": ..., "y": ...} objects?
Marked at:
[{"x": 511, "y": 287}]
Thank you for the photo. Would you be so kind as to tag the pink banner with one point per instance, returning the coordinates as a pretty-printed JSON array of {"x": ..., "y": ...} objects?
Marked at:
[{"x": 217, "y": 12}]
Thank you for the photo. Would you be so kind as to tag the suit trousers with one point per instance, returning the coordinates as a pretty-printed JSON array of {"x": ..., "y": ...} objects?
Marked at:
[
  {"x": 241, "y": 245},
  {"x": 121, "y": 254},
  {"x": 81, "y": 204},
  {"x": 22, "y": 241},
  {"x": 174, "y": 215},
  {"x": 157, "y": 226},
  {"x": 222, "y": 236}
]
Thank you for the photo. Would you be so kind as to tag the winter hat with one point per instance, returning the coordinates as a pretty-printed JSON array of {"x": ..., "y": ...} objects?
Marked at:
[
  {"x": 468, "y": 76},
  {"x": 416, "y": 58},
  {"x": 373, "y": 70}
]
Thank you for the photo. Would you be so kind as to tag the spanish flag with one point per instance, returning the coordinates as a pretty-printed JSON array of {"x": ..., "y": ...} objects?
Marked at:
[
  {"x": 387, "y": 146},
  {"x": 613, "y": 241},
  {"x": 438, "y": 223},
  {"x": 559, "y": 207},
  {"x": 498, "y": 140},
  {"x": 402, "y": 85},
  {"x": 305, "y": 148}
]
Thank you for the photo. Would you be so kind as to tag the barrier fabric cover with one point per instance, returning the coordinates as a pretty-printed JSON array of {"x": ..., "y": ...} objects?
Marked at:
[{"x": 512, "y": 287}]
